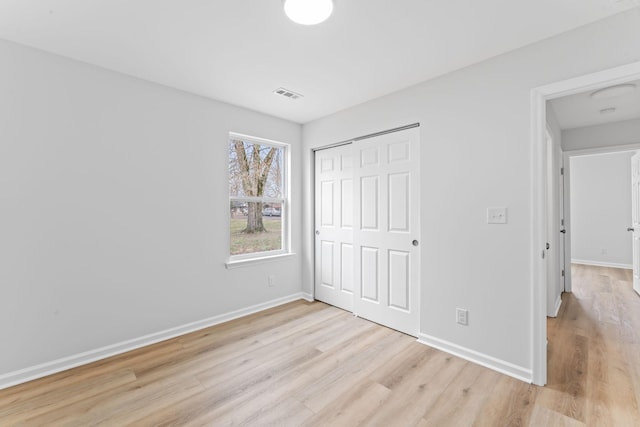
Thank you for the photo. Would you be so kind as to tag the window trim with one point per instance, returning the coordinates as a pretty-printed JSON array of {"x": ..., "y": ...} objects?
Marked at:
[
  {"x": 234, "y": 261},
  {"x": 237, "y": 263}
]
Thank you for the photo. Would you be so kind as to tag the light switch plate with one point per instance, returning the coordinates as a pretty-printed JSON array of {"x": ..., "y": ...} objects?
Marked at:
[{"x": 496, "y": 215}]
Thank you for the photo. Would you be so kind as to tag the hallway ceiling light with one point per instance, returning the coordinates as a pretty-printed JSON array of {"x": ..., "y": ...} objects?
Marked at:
[
  {"x": 308, "y": 12},
  {"x": 613, "y": 91}
]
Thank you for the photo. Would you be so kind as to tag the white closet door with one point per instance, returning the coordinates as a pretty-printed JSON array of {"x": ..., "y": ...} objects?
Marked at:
[
  {"x": 387, "y": 230},
  {"x": 334, "y": 226}
]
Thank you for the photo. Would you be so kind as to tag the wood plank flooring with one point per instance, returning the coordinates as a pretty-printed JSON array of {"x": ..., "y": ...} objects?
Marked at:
[{"x": 309, "y": 364}]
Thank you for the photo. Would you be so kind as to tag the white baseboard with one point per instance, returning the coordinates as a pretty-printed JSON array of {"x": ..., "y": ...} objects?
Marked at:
[
  {"x": 307, "y": 297},
  {"x": 558, "y": 304},
  {"x": 602, "y": 264},
  {"x": 490, "y": 362},
  {"x": 48, "y": 368}
]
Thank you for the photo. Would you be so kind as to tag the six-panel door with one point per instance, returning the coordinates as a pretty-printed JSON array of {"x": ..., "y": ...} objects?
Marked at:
[
  {"x": 387, "y": 230},
  {"x": 334, "y": 226}
]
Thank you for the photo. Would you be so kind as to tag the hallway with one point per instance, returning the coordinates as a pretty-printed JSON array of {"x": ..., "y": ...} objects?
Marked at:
[{"x": 594, "y": 350}]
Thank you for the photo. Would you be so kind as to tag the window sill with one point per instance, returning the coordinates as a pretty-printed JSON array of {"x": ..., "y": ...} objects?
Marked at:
[{"x": 254, "y": 261}]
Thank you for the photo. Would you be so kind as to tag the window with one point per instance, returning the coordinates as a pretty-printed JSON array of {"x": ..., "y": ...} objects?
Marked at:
[{"x": 257, "y": 197}]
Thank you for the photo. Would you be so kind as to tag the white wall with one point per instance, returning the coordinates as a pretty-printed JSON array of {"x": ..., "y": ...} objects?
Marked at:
[
  {"x": 477, "y": 153},
  {"x": 114, "y": 206},
  {"x": 601, "y": 209},
  {"x": 606, "y": 135}
]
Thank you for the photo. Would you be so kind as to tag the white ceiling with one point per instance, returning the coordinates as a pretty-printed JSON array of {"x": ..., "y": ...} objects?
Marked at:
[
  {"x": 239, "y": 51},
  {"x": 581, "y": 110}
]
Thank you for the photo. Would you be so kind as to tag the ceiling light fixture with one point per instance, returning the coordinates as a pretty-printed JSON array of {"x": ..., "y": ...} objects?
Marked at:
[
  {"x": 308, "y": 12},
  {"x": 613, "y": 91}
]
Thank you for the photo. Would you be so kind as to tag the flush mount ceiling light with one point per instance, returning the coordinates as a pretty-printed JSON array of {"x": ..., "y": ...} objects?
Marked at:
[
  {"x": 308, "y": 12},
  {"x": 613, "y": 91}
]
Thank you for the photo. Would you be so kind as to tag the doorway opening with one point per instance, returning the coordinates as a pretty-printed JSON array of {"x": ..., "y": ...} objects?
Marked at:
[
  {"x": 589, "y": 83},
  {"x": 600, "y": 198}
]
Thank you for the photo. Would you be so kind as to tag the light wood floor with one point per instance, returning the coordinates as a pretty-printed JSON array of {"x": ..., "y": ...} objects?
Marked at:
[{"x": 312, "y": 364}]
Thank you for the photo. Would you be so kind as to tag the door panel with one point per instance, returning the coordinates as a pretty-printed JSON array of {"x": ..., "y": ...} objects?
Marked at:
[
  {"x": 326, "y": 202},
  {"x": 564, "y": 269},
  {"x": 333, "y": 225},
  {"x": 346, "y": 262},
  {"x": 399, "y": 195},
  {"x": 369, "y": 283},
  {"x": 369, "y": 157},
  {"x": 387, "y": 265},
  {"x": 327, "y": 263},
  {"x": 399, "y": 279},
  {"x": 369, "y": 202},
  {"x": 399, "y": 152},
  {"x": 635, "y": 218},
  {"x": 346, "y": 218}
]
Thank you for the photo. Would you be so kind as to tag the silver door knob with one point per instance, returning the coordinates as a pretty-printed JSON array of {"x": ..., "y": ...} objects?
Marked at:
[
  {"x": 631, "y": 229},
  {"x": 317, "y": 232},
  {"x": 563, "y": 231},
  {"x": 415, "y": 243}
]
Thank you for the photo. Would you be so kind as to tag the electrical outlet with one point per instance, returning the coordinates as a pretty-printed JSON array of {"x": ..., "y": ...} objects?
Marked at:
[
  {"x": 462, "y": 316},
  {"x": 271, "y": 280}
]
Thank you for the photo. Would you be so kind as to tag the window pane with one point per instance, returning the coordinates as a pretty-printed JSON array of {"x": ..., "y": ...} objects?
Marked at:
[
  {"x": 255, "y": 227},
  {"x": 255, "y": 170},
  {"x": 257, "y": 196}
]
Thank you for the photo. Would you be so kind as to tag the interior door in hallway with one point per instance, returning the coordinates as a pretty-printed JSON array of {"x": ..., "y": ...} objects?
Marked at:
[
  {"x": 635, "y": 218},
  {"x": 564, "y": 268},
  {"x": 387, "y": 229},
  {"x": 334, "y": 226}
]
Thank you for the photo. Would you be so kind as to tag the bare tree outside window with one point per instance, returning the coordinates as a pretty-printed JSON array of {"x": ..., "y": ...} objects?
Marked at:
[{"x": 256, "y": 171}]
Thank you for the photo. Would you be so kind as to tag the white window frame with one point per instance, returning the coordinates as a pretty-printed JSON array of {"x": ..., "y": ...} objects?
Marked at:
[{"x": 259, "y": 257}]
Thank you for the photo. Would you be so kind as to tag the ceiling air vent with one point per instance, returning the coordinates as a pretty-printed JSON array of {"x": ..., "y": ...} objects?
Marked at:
[{"x": 287, "y": 93}]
